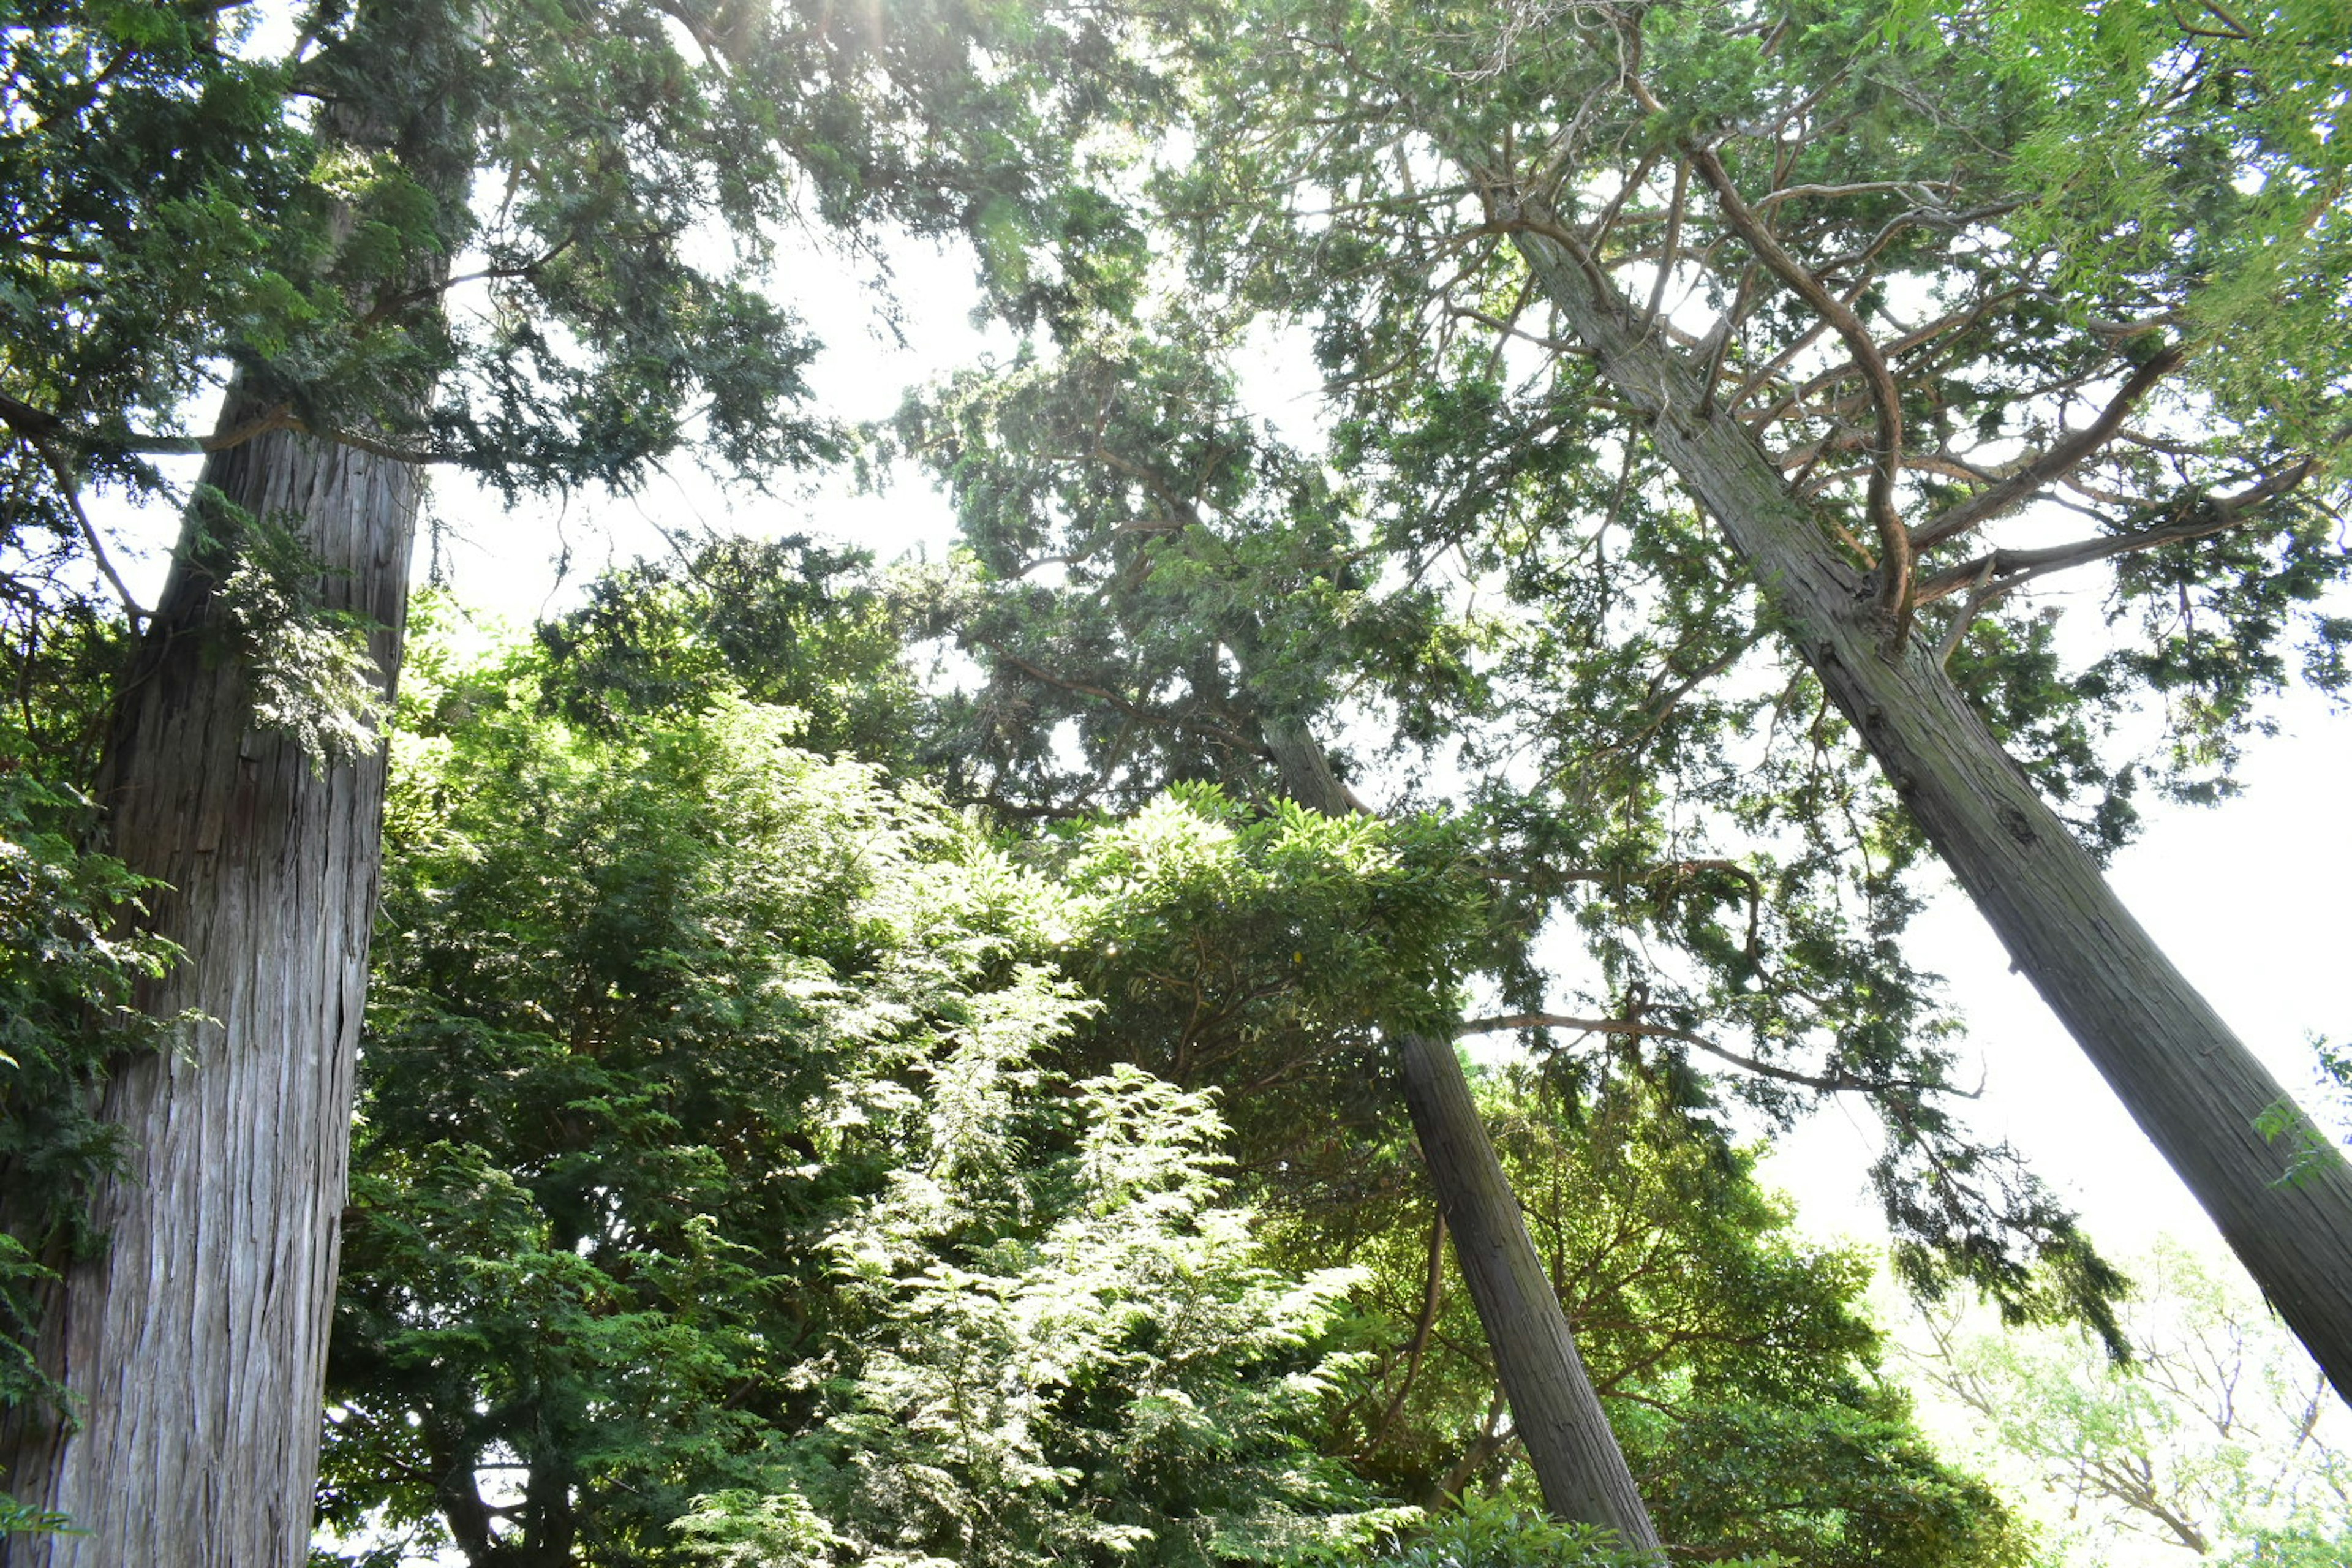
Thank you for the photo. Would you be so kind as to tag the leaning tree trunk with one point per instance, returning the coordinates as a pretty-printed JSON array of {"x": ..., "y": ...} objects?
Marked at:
[
  {"x": 194, "y": 1346},
  {"x": 2191, "y": 1084},
  {"x": 1578, "y": 1467},
  {"x": 1577, "y": 1464}
]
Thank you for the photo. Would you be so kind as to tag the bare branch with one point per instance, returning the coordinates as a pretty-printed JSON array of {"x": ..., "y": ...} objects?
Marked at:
[
  {"x": 1511, "y": 329},
  {"x": 1838, "y": 1082},
  {"x": 1674, "y": 242},
  {"x": 63, "y": 472},
  {"x": 1862, "y": 188}
]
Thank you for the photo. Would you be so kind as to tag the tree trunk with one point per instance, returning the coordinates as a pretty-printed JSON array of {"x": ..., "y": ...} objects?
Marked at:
[
  {"x": 1577, "y": 1464},
  {"x": 2193, "y": 1085},
  {"x": 195, "y": 1345}
]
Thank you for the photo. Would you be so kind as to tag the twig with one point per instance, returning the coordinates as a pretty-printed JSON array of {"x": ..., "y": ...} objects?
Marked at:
[
  {"x": 1674, "y": 242},
  {"x": 1839, "y": 1083},
  {"x": 2061, "y": 459},
  {"x": 2000, "y": 571}
]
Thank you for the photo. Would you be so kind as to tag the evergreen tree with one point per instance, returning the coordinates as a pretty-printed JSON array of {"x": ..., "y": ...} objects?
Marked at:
[
  {"x": 751, "y": 1160},
  {"x": 448, "y": 233},
  {"x": 715, "y": 1143},
  {"x": 1721, "y": 348},
  {"x": 1738, "y": 1366}
]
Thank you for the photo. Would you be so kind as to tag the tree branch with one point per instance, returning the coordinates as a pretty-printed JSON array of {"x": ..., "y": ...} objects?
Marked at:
[
  {"x": 71, "y": 488},
  {"x": 26, "y": 419},
  {"x": 1998, "y": 571},
  {"x": 1862, "y": 188},
  {"x": 1893, "y": 540},
  {"x": 2061, "y": 459},
  {"x": 1838, "y": 1082},
  {"x": 1432, "y": 1297}
]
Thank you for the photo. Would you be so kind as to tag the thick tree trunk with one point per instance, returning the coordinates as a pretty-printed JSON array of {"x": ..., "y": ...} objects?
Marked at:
[
  {"x": 1577, "y": 1464},
  {"x": 196, "y": 1344},
  {"x": 2193, "y": 1085}
]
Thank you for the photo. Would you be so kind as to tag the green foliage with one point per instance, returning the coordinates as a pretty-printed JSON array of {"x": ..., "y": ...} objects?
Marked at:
[
  {"x": 148, "y": 162},
  {"x": 1082, "y": 1360},
  {"x": 1155, "y": 578},
  {"x": 1267, "y": 953},
  {"x": 2219, "y": 1436},
  {"x": 763, "y": 1168},
  {"x": 179, "y": 206},
  {"x": 2309, "y": 1143},
  {"x": 1493, "y": 1533},
  {"x": 1161, "y": 590},
  {"x": 69, "y": 975},
  {"x": 23, "y": 1519},
  {"x": 310, "y": 672},
  {"x": 786, "y": 623},
  {"x": 637, "y": 1006},
  {"x": 714, "y": 1143},
  {"x": 536, "y": 241},
  {"x": 2195, "y": 164}
]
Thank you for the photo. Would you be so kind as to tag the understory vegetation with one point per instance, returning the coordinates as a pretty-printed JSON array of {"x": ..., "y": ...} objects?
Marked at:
[{"x": 757, "y": 1159}]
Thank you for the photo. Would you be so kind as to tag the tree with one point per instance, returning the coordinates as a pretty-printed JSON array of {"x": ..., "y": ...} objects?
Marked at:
[
  {"x": 1737, "y": 1363},
  {"x": 244, "y": 774},
  {"x": 1844, "y": 284},
  {"x": 1162, "y": 588},
  {"x": 1577, "y": 1462},
  {"x": 718, "y": 1140},
  {"x": 2218, "y": 1440},
  {"x": 629, "y": 960},
  {"x": 629, "y": 985},
  {"x": 1006, "y": 449},
  {"x": 1218, "y": 589}
]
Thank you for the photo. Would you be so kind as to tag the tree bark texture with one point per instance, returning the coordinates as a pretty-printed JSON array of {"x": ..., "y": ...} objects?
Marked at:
[
  {"x": 196, "y": 1344},
  {"x": 1577, "y": 1464},
  {"x": 2187, "y": 1079}
]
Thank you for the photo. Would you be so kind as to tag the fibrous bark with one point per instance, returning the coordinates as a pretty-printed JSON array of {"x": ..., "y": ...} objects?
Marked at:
[
  {"x": 1577, "y": 1464},
  {"x": 194, "y": 1344}
]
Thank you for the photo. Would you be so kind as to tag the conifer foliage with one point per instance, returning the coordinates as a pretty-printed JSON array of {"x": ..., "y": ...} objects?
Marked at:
[
  {"x": 758, "y": 1164},
  {"x": 763, "y": 1157}
]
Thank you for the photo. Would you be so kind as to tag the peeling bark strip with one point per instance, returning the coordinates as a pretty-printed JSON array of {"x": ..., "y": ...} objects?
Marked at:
[
  {"x": 2190, "y": 1084},
  {"x": 1578, "y": 1467},
  {"x": 196, "y": 1344}
]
